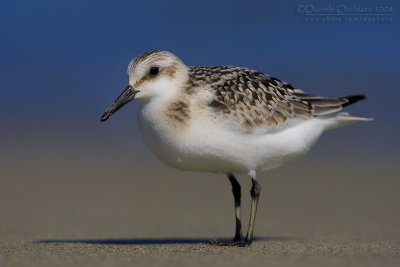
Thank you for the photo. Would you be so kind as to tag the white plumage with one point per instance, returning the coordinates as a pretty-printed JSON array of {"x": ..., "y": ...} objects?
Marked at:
[{"x": 225, "y": 119}]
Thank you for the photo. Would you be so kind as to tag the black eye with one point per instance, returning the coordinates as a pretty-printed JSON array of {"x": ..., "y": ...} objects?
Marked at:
[{"x": 154, "y": 71}]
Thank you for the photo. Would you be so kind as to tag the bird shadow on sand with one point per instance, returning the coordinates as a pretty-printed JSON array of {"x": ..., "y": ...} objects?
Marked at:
[{"x": 150, "y": 241}]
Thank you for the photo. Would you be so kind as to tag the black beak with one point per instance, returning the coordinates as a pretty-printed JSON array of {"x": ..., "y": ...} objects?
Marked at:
[{"x": 127, "y": 95}]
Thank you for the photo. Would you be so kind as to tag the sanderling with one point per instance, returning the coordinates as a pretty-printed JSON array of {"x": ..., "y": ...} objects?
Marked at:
[{"x": 225, "y": 119}]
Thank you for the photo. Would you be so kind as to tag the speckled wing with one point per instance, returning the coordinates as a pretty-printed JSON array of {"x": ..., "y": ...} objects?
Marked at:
[{"x": 256, "y": 100}]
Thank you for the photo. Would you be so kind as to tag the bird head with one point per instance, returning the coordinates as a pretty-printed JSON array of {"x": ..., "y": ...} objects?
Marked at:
[{"x": 153, "y": 74}]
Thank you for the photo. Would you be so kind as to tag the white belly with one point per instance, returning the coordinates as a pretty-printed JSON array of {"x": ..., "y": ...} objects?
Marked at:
[{"x": 206, "y": 146}]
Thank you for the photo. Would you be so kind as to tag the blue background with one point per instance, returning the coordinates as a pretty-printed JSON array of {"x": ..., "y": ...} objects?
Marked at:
[{"x": 63, "y": 62}]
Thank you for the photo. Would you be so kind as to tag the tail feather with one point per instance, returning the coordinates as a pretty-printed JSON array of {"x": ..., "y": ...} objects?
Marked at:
[
  {"x": 333, "y": 117},
  {"x": 351, "y": 99},
  {"x": 322, "y": 106},
  {"x": 344, "y": 116},
  {"x": 329, "y": 108},
  {"x": 342, "y": 119}
]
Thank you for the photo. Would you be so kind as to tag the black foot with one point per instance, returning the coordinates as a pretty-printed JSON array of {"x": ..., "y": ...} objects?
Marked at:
[{"x": 230, "y": 243}]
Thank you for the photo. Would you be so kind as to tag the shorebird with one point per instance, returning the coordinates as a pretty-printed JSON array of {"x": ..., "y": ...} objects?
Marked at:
[{"x": 225, "y": 119}]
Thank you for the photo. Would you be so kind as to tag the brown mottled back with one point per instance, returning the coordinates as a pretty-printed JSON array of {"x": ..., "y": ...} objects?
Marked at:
[{"x": 257, "y": 100}]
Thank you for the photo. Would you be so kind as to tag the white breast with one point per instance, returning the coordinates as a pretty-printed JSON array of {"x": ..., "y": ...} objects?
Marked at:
[{"x": 207, "y": 146}]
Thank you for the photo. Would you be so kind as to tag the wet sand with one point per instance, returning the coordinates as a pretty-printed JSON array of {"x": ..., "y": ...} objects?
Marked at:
[{"x": 78, "y": 209}]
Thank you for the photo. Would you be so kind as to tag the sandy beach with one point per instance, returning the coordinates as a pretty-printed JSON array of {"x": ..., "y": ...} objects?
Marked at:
[
  {"x": 78, "y": 192},
  {"x": 131, "y": 211}
]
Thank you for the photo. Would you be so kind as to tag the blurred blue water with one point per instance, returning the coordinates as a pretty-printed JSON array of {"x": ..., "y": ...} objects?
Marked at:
[{"x": 63, "y": 63}]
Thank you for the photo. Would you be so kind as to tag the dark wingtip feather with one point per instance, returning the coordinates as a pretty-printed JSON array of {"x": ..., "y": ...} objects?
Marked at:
[{"x": 351, "y": 99}]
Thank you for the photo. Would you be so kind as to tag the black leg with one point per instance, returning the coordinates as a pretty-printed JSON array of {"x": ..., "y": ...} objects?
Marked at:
[
  {"x": 255, "y": 195},
  {"x": 236, "y": 195},
  {"x": 238, "y": 239}
]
